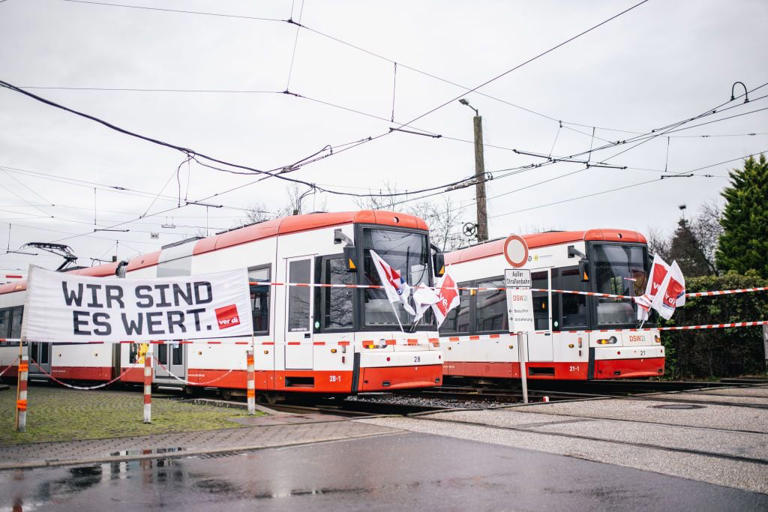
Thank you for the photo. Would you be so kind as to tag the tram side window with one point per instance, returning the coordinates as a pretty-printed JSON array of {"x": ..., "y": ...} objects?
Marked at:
[
  {"x": 334, "y": 305},
  {"x": 16, "y": 316},
  {"x": 299, "y": 297},
  {"x": 540, "y": 301},
  {"x": 162, "y": 354},
  {"x": 491, "y": 309},
  {"x": 137, "y": 352},
  {"x": 457, "y": 320},
  {"x": 4, "y": 323},
  {"x": 573, "y": 307},
  {"x": 260, "y": 299}
]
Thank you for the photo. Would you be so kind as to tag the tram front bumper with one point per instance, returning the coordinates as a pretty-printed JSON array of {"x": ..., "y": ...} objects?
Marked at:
[
  {"x": 385, "y": 370},
  {"x": 629, "y": 362}
]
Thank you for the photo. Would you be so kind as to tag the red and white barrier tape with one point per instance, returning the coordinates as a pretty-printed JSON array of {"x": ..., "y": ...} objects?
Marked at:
[
  {"x": 189, "y": 383},
  {"x": 487, "y": 289},
  {"x": 208, "y": 341},
  {"x": 713, "y": 326},
  {"x": 81, "y": 388},
  {"x": 649, "y": 329},
  {"x": 6, "y": 369}
]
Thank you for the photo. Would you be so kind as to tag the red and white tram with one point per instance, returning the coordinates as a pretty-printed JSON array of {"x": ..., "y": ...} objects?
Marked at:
[
  {"x": 336, "y": 340},
  {"x": 577, "y": 337}
]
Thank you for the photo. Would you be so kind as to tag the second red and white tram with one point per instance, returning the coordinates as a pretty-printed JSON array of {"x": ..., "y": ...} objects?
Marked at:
[
  {"x": 577, "y": 337},
  {"x": 335, "y": 340}
]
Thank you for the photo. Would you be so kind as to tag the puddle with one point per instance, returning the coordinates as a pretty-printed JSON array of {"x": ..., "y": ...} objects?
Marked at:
[{"x": 146, "y": 451}]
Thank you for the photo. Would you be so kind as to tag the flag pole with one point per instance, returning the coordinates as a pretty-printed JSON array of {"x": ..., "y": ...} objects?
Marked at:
[{"x": 397, "y": 317}]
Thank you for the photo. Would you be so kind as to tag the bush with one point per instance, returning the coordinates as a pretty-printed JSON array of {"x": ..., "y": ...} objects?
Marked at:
[{"x": 716, "y": 353}]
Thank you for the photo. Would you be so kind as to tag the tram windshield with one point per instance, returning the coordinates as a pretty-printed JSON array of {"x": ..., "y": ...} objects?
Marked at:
[
  {"x": 408, "y": 253},
  {"x": 619, "y": 269}
]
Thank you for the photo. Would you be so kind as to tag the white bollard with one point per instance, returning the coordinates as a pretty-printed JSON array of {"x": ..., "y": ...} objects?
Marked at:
[
  {"x": 148, "y": 385},
  {"x": 251, "y": 386},
  {"x": 21, "y": 402}
]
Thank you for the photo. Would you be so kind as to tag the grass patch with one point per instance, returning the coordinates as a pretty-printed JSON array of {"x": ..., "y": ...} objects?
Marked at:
[{"x": 59, "y": 414}]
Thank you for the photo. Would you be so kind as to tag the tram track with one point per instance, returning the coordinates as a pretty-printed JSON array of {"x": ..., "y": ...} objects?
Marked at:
[
  {"x": 357, "y": 408},
  {"x": 635, "y": 444},
  {"x": 645, "y": 422}
]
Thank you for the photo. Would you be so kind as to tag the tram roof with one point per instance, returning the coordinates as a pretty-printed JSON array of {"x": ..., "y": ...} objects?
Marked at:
[
  {"x": 270, "y": 228},
  {"x": 496, "y": 247}
]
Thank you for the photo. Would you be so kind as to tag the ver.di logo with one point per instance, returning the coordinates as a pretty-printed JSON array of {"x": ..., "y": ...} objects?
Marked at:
[{"x": 227, "y": 316}]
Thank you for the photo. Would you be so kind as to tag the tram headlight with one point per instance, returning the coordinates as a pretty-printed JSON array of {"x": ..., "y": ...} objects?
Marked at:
[{"x": 607, "y": 341}]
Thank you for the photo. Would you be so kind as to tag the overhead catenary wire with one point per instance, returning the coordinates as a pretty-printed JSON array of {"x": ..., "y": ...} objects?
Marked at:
[
  {"x": 553, "y": 160},
  {"x": 340, "y": 41},
  {"x": 363, "y": 195},
  {"x": 295, "y": 46},
  {"x": 624, "y": 187},
  {"x": 47, "y": 176},
  {"x": 177, "y": 11},
  {"x": 277, "y": 172},
  {"x": 650, "y": 134},
  {"x": 524, "y": 63},
  {"x": 677, "y": 126}
]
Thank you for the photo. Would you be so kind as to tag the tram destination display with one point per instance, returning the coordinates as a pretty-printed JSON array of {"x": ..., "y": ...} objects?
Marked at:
[{"x": 64, "y": 307}]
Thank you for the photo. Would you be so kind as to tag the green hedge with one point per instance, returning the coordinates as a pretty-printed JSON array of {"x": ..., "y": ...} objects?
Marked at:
[{"x": 716, "y": 353}]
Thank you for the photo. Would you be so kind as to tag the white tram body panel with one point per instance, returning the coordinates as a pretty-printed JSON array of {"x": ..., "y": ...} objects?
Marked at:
[
  {"x": 572, "y": 343},
  {"x": 294, "y": 351}
]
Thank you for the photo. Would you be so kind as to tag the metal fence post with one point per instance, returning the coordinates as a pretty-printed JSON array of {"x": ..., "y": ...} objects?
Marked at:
[{"x": 522, "y": 350}]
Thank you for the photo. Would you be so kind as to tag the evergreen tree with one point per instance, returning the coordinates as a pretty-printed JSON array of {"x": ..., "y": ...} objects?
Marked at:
[
  {"x": 744, "y": 242},
  {"x": 686, "y": 248}
]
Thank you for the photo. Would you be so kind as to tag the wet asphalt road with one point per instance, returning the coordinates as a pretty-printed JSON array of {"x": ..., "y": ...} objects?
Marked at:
[{"x": 399, "y": 472}]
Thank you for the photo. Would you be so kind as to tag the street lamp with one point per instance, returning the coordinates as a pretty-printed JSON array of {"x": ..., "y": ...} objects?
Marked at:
[
  {"x": 464, "y": 101},
  {"x": 482, "y": 212}
]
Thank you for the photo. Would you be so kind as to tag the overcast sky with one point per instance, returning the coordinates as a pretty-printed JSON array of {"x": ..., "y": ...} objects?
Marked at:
[{"x": 660, "y": 63}]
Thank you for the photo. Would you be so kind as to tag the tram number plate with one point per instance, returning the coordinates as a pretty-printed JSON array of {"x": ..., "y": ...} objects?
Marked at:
[
  {"x": 573, "y": 368},
  {"x": 335, "y": 378},
  {"x": 416, "y": 359}
]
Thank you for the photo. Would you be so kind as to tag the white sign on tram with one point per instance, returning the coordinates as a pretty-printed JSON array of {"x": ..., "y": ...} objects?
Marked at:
[{"x": 519, "y": 300}]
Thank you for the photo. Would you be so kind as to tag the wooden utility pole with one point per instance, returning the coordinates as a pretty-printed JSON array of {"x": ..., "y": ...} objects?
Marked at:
[{"x": 482, "y": 214}]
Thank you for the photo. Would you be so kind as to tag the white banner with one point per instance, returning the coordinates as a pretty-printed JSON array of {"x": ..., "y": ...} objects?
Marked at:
[{"x": 64, "y": 307}]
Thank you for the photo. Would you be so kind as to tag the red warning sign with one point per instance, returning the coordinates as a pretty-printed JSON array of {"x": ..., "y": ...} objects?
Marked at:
[{"x": 516, "y": 251}]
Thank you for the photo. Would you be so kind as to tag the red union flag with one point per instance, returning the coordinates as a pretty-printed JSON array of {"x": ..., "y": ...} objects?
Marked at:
[
  {"x": 397, "y": 289},
  {"x": 227, "y": 316},
  {"x": 671, "y": 293},
  {"x": 448, "y": 298},
  {"x": 659, "y": 271}
]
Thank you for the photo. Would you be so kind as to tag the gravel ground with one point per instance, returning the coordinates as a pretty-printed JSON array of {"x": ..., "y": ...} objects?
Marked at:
[{"x": 443, "y": 403}]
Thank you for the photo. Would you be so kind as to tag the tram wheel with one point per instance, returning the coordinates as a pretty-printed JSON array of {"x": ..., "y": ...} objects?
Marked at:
[{"x": 267, "y": 398}]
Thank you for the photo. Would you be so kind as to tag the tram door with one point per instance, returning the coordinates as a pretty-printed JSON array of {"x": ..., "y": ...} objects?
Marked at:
[
  {"x": 40, "y": 353},
  {"x": 540, "y": 344},
  {"x": 170, "y": 361},
  {"x": 298, "y": 322}
]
